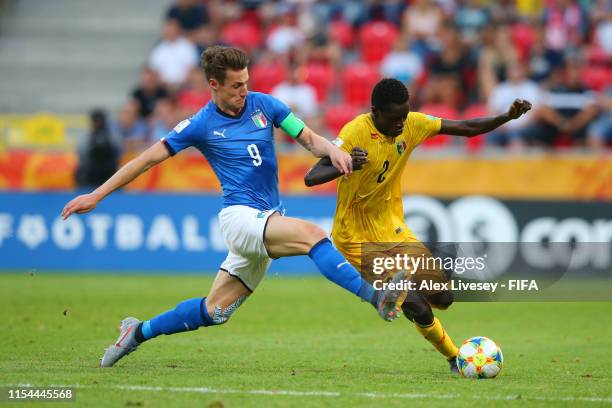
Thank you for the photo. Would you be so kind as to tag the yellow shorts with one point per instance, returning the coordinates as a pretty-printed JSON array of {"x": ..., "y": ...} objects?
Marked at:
[{"x": 366, "y": 257}]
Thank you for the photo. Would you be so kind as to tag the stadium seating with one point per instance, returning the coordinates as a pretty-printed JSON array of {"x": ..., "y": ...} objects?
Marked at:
[
  {"x": 523, "y": 36},
  {"x": 336, "y": 116},
  {"x": 376, "y": 40},
  {"x": 597, "y": 55},
  {"x": 342, "y": 32},
  {"x": 68, "y": 56},
  {"x": 358, "y": 81},
  {"x": 265, "y": 76},
  {"x": 242, "y": 34},
  {"x": 321, "y": 77},
  {"x": 596, "y": 77}
]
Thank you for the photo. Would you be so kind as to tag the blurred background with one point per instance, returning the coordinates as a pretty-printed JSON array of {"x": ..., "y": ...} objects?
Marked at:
[{"x": 86, "y": 85}]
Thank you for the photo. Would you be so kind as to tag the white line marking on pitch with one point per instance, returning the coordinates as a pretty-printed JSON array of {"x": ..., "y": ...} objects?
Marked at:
[{"x": 209, "y": 390}]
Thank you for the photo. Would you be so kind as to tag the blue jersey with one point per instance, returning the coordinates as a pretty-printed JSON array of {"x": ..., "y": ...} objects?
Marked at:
[{"x": 240, "y": 149}]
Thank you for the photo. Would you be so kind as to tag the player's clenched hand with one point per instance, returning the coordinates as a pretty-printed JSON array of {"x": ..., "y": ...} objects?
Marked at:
[
  {"x": 360, "y": 157},
  {"x": 518, "y": 108},
  {"x": 81, "y": 204},
  {"x": 341, "y": 160}
]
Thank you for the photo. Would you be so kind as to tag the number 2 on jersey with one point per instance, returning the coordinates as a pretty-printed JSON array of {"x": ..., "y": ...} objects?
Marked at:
[
  {"x": 381, "y": 176},
  {"x": 254, "y": 153}
]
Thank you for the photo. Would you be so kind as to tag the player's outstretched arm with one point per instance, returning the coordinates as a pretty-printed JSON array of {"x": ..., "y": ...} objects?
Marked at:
[
  {"x": 324, "y": 171},
  {"x": 477, "y": 126},
  {"x": 147, "y": 159},
  {"x": 321, "y": 147}
]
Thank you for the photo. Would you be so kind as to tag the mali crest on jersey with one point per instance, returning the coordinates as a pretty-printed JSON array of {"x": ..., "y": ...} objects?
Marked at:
[
  {"x": 401, "y": 147},
  {"x": 259, "y": 119}
]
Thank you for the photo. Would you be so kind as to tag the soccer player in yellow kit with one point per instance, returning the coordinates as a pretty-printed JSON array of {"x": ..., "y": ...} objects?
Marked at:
[{"x": 369, "y": 210}]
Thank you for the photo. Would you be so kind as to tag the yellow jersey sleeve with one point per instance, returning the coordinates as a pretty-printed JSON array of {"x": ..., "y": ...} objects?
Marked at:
[
  {"x": 421, "y": 127},
  {"x": 350, "y": 135}
]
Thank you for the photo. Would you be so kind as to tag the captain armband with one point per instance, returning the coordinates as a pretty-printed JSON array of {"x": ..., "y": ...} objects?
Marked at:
[{"x": 292, "y": 125}]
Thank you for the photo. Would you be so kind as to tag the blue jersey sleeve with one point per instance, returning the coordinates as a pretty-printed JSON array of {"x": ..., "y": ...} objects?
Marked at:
[
  {"x": 277, "y": 109},
  {"x": 183, "y": 135}
]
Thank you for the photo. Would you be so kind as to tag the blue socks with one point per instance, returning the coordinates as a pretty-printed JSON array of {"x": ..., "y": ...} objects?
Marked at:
[
  {"x": 187, "y": 315},
  {"x": 192, "y": 314},
  {"x": 337, "y": 269}
]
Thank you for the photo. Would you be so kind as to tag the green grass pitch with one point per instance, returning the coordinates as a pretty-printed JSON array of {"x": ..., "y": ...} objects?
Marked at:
[{"x": 296, "y": 342}]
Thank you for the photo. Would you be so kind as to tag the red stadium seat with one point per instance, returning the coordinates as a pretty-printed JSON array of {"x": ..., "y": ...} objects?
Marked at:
[
  {"x": 596, "y": 55},
  {"x": 343, "y": 33},
  {"x": 339, "y": 115},
  {"x": 265, "y": 76},
  {"x": 357, "y": 84},
  {"x": 444, "y": 112},
  {"x": 242, "y": 34},
  {"x": 523, "y": 36},
  {"x": 321, "y": 77},
  {"x": 596, "y": 77},
  {"x": 376, "y": 40},
  {"x": 476, "y": 110}
]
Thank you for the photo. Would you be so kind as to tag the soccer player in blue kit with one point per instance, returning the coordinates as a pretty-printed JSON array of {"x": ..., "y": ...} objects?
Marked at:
[{"x": 234, "y": 132}]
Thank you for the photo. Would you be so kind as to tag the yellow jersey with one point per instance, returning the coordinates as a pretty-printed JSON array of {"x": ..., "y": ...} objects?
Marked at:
[{"x": 369, "y": 204}]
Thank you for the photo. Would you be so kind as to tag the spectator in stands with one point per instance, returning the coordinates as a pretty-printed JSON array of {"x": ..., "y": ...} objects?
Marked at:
[
  {"x": 529, "y": 10},
  {"x": 174, "y": 56},
  {"x": 452, "y": 59},
  {"x": 603, "y": 33},
  {"x": 190, "y": 14},
  {"x": 98, "y": 153},
  {"x": 565, "y": 25},
  {"x": 298, "y": 95},
  {"x": 496, "y": 54},
  {"x": 543, "y": 59},
  {"x": 402, "y": 64},
  {"x": 130, "y": 129},
  {"x": 471, "y": 17},
  {"x": 148, "y": 92},
  {"x": 503, "y": 11},
  {"x": 164, "y": 118},
  {"x": 195, "y": 94},
  {"x": 389, "y": 10},
  {"x": 420, "y": 23},
  {"x": 287, "y": 36},
  {"x": 599, "y": 132},
  {"x": 567, "y": 108},
  {"x": 517, "y": 132}
]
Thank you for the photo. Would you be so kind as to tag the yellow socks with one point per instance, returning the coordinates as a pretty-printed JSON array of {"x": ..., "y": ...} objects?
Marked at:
[{"x": 436, "y": 335}]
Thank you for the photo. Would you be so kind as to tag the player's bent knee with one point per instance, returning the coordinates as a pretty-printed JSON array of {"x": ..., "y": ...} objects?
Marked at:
[
  {"x": 441, "y": 300},
  {"x": 218, "y": 315},
  {"x": 306, "y": 236},
  {"x": 417, "y": 311},
  {"x": 313, "y": 233}
]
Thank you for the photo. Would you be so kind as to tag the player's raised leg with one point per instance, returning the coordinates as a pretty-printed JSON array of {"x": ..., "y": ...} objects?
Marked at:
[
  {"x": 286, "y": 236},
  {"x": 417, "y": 308},
  {"x": 226, "y": 295}
]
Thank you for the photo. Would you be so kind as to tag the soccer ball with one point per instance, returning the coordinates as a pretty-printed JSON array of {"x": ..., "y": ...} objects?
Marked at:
[{"x": 479, "y": 357}]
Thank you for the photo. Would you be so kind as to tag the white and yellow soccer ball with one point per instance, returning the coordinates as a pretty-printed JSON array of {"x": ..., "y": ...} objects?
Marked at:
[{"x": 479, "y": 357}]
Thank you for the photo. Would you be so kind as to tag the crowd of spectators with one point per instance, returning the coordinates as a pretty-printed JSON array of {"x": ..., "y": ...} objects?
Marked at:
[{"x": 459, "y": 58}]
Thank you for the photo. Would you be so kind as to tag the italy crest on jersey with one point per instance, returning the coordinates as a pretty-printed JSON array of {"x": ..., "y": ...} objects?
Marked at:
[
  {"x": 259, "y": 119},
  {"x": 401, "y": 147}
]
